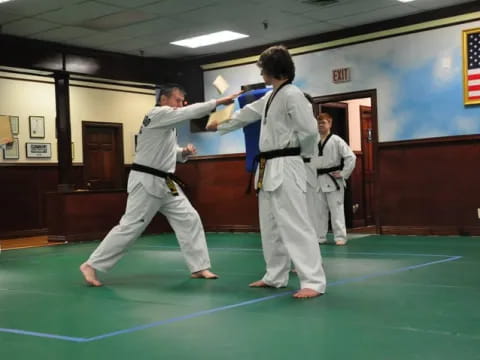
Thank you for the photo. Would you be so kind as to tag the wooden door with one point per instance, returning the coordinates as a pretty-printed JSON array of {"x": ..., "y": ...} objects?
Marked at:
[
  {"x": 103, "y": 155},
  {"x": 368, "y": 163}
]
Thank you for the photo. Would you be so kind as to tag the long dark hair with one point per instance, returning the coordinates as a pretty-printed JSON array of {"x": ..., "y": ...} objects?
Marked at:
[{"x": 277, "y": 62}]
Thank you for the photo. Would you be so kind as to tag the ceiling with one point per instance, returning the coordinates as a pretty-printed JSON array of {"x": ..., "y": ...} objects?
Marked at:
[{"x": 146, "y": 27}]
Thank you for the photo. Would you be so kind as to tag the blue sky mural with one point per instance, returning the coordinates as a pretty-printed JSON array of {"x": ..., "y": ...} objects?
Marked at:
[{"x": 418, "y": 78}]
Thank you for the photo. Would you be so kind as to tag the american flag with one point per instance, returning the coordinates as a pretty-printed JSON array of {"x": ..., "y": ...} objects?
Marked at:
[{"x": 472, "y": 62}]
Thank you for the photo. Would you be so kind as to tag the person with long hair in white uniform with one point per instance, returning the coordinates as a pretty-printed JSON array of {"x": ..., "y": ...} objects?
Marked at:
[
  {"x": 288, "y": 132},
  {"x": 153, "y": 187}
]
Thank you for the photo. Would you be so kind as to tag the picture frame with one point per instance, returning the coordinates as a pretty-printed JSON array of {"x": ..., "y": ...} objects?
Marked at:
[
  {"x": 37, "y": 127},
  {"x": 135, "y": 143},
  {"x": 471, "y": 68},
  {"x": 73, "y": 150},
  {"x": 14, "y": 124},
  {"x": 11, "y": 150},
  {"x": 38, "y": 150}
]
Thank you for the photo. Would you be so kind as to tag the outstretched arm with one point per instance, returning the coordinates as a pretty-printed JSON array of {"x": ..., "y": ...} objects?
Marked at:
[
  {"x": 241, "y": 118},
  {"x": 166, "y": 116}
]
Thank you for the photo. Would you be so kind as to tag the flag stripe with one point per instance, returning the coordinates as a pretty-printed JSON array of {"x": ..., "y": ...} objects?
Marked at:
[
  {"x": 473, "y": 71},
  {"x": 474, "y": 77},
  {"x": 474, "y": 82},
  {"x": 473, "y": 93}
]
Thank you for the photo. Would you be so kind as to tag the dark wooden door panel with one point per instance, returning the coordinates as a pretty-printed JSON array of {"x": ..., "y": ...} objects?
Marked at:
[
  {"x": 103, "y": 155},
  {"x": 369, "y": 165}
]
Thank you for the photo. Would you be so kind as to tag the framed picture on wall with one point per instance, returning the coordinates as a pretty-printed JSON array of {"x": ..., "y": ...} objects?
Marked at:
[
  {"x": 39, "y": 150},
  {"x": 14, "y": 125},
  {"x": 37, "y": 127},
  {"x": 11, "y": 150},
  {"x": 135, "y": 142},
  {"x": 471, "y": 67}
]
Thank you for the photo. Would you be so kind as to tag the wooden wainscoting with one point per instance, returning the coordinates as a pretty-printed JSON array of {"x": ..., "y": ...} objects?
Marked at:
[{"x": 430, "y": 186}]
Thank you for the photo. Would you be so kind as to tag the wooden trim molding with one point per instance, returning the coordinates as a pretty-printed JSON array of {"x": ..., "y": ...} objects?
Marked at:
[
  {"x": 23, "y": 233},
  {"x": 430, "y": 141}
]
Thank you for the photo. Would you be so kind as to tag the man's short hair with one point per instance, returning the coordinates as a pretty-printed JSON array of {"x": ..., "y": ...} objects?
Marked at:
[
  {"x": 277, "y": 62},
  {"x": 167, "y": 90},
  {"x": 325, "y": 116}
]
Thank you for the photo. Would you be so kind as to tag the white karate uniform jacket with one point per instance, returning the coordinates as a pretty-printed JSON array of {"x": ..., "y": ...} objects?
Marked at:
[
  {"x": 157, "y": 144},
  {"x": 334, "y": 150}
]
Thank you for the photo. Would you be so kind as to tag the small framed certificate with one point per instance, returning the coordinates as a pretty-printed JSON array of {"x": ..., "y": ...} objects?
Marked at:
[
  {"x": 39, "y": 150},
  {"x": 37, "y": 127},
  {"x": 11, "y": 150},
  {"x": 14, "y": 125}
]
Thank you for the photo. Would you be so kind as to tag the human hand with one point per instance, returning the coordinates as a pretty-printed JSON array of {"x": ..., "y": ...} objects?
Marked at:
[
  {"x": 211, "y": 126},
  {"x": 336, "y": 174},
  {"x": 190, "y": 149},
  {"x": 227, "y": 100}
]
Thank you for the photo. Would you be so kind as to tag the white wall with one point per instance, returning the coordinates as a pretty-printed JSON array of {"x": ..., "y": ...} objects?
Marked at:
[
  {"x": 97, "y": 105},
  {"x": 354, "y": 126},
  {"x": 26, "y": 98},
  {"x": 23, "y": 98}
]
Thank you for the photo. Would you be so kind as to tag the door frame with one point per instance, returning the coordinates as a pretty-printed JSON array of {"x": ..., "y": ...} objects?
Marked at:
[
  {"x": 372, "y": 94},
  {"x": 118, "y": 140}
]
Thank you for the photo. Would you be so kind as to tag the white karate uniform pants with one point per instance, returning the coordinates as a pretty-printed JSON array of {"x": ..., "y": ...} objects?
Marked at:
[
  {"x": 287, "y": 234},
  {"x": 141, "y": 208},
  {"x": 319, "y": 205}
]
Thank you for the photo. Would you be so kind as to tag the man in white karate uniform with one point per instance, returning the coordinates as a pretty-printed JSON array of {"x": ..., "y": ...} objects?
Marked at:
[
  {"x": 288, "y": 132},
  {"x": 153, "y": 188},
  {"x": 326, "y": 182}
]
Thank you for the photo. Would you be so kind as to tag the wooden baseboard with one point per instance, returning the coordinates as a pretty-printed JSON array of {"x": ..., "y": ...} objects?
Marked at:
[
  {"x": 23, "y": 233},
  {"x": 77, "y": 237},
  {"x": 431, "y": 230}
]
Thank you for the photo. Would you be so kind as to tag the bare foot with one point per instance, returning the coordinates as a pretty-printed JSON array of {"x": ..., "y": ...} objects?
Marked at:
[
  {"x": 89, "y": 275},
  {"x": 204, "y": 274},
  {"x": 306, "y": 293},
  {"x": 341, "y": 242},
  {"x": 260, "y": 284}
]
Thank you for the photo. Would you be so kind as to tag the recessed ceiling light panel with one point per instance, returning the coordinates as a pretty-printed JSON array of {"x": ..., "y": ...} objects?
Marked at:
[{"x": 209, "y": 39}]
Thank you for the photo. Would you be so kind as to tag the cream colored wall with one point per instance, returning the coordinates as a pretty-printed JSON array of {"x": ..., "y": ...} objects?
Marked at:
[
  {"x": 100, "y": 105},
  {"x": 22, "y": 98},
  {"x": 354, "y": 128},
  {"x": 26, "y": 98}
]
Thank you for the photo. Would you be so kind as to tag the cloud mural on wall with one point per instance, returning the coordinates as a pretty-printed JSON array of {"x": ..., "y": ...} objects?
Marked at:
[{"x": 418, "y": 78}]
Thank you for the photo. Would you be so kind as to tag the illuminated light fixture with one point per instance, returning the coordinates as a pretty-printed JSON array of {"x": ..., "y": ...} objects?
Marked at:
[
  {"x": 2, "y": 1},
  {"x": 209, "y": 39},
  {"x": 406, "y": 0}
]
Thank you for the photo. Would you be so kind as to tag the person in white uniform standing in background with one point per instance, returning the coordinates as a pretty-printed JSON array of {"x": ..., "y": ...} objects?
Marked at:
[
  {"x": 334, "y": 164},
  {"x": 288, "y": 132},
  {"x": 153, "y": 188}
]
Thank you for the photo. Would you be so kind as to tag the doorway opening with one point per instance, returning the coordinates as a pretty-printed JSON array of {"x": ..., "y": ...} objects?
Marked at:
[{"x": 355, "y": 120}]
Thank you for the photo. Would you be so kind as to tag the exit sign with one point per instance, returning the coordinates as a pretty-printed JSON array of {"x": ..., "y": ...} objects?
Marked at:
[{"x": 340, "y": 75}]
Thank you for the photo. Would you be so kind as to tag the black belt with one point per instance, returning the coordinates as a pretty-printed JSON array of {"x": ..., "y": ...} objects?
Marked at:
[
  {"x": 327, "y": 171},
  {"x": 267, "y": 155},
  {"x": 262, "y": 158},
  {"x": 170, "y": 178}
]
